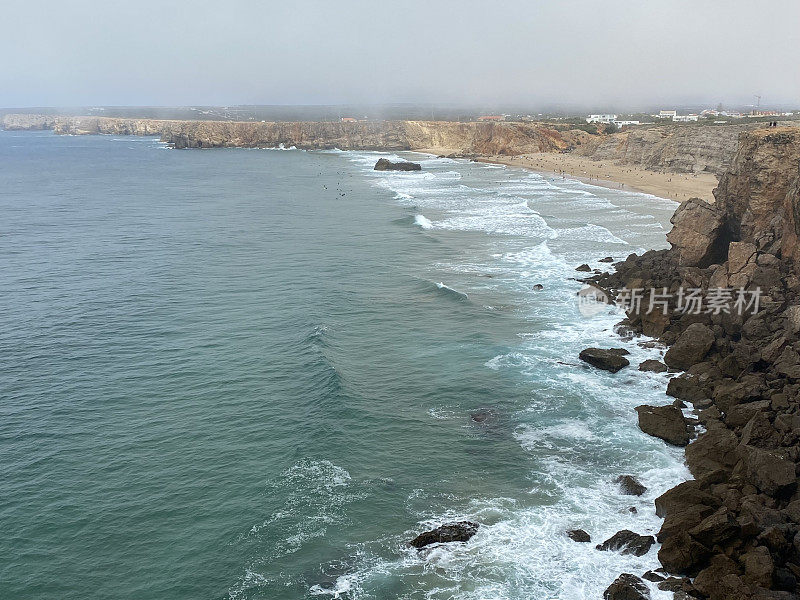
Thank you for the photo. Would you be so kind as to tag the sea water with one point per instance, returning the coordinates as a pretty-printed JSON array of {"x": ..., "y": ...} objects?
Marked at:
[{"x": 250, "y": 374}]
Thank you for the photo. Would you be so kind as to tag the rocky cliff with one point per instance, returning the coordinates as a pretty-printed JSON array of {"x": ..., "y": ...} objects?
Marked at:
[
  {"x": 733, "y": 532},
  {"x": 682, "y": 149},
  {"x": 679, "y": 149}
]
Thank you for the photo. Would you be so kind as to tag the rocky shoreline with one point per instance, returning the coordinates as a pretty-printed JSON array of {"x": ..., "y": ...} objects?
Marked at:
[{"x": 732, "y": 532}]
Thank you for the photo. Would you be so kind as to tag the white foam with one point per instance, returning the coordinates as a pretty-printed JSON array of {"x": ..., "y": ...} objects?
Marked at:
[{"x": 423, "y": 222}]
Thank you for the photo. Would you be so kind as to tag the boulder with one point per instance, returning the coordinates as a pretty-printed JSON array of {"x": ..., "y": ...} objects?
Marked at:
[
  {"x": 584, "y": 268},
  {"x": 714, "y": 450},
  {"x": 630, "y": 486},
  {"x": 682, "y": 554},
  {"x": 608, "y": 359},
  {"x": 607, "y": 259},
  {"x": 653, "y": 366},
  {"x": 767, "y": 471},
  {"x": 627, "y": 587},
  {"x": 579, "y": 535},
  {"x": 384, "y": 164},
  {"x": 449, "y": 532},
  {"x": 717, "y": 528},
  {"x": 758, "y": 567},
  {"x": 686, "y": 387},
  {"x": 697, "y": 236},
  {"x": 664, "y": 422},
  {"x": 628, "y": 542},
  {"x": 690, "y": 348}
]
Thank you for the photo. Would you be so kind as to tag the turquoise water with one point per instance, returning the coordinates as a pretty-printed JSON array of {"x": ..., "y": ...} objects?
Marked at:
[{"x": 249, "y": 374}]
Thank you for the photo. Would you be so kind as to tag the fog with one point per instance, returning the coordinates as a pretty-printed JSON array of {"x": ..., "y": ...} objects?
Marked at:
[{"x": 614, "y": 53}]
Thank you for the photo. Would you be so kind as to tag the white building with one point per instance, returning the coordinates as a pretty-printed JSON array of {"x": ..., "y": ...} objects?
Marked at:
[
  {"x": 666, "y": 114},
  {"x": 601, "y": 118},
  {"x": 685, "y": 118},
  {"x": 621, "y": 123}
]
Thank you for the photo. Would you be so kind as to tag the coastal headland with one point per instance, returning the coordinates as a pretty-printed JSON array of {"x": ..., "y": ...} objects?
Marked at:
[
  {"x": 671, "y": 161},
  {"x": 732, "y": 532}
]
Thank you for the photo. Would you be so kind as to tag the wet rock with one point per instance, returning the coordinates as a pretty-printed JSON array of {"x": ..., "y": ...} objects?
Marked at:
[
  {"x": 653, "y": 366},
  {"x": 483, "y": 415},
  {"x": 627, "y": 587},
  {"x": 579, "y": 535},
  {"x": 449, "y": 532},
  {"x": 628, "y": 542},
  {"x": 664, "y": 422},
  {"x": 584, "y": 268},
  {"x": 630, "y": 486},
  {"x": 538, "y": 287},
  {"x": 608, "y": 359},
  {"x": 691, "y": 347},
  {"x": 607, "y": 259},
  {"x": 385, "y": 164},
  {"x": 653, "y": 576}
]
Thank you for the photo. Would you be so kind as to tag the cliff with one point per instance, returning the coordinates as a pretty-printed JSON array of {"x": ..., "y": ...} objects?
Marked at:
[
  {"x": 662, "y": 148},
  {"x": 735, "y": 528},
  {"x": 679, "y": 149}
]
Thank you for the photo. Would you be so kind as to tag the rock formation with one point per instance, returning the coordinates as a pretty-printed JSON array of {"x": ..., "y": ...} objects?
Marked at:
[
  {"x": 608, "y": 359},
  {"x": 735, "y": 528},
  {"x": 461, "y": 531},
  {"x": 384, "y": 164}
]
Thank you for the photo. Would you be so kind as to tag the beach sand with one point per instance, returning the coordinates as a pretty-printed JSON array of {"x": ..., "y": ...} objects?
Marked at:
[{"x": 675, "y": 186}]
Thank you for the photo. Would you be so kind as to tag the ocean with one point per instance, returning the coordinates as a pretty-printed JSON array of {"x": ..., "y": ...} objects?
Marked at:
[{"x": 250, "y": 374}]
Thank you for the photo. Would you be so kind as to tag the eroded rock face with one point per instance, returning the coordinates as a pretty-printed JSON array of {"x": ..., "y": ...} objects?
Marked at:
[
  {"x": 697, "y": 232},
  {"x": 461, "y": 531}
]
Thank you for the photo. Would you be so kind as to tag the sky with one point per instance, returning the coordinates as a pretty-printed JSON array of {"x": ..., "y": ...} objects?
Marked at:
[{"x": 599, "y": 53}]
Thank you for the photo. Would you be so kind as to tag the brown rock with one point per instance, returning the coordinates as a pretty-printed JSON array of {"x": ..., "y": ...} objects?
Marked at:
[
  {"x": 664, "y": 422},
  {"x": 758, "y": 567},
  {"x": 628, "y": 542},
  {"x": 770, "y": 473},
  {"x": 691, "y": 347},
  {"x": 627, "y": 587},
  {"x": 695, "y": 237},
  {"x": 653, "y": 366},
  {"x": 630, "y": 486},
  {"x": 608, "y": 359}
]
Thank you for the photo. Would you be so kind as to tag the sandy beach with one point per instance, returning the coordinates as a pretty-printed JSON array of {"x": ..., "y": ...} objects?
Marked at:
[{"x": 675, "y": 186}]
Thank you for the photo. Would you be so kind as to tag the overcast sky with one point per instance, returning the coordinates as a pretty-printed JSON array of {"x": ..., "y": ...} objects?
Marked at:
[{"x": 591, "y": 53}]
